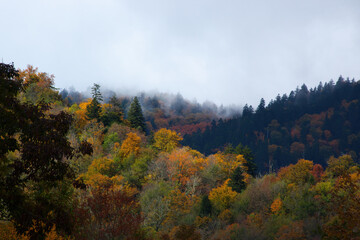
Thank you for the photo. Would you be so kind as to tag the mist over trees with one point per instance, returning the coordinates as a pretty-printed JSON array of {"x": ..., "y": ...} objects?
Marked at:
[
  {"x": 312, "y": 124},
  {"x": 175, "y": 103},
  {"x": 159, "y": 109},
  {"x": 65, "y": 175}
]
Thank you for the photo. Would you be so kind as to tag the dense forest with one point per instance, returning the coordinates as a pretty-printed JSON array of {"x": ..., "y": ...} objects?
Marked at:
[
  {"x": 162, "y": 110},
  {"x": 313, "y": 124},
  {"x": 144, "y": 168}
]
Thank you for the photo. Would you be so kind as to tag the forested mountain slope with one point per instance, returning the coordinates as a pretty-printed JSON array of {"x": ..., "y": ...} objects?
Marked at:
[
  {"x": 312, "y": 124},
  {"x": 94, "y": 171},
  {"x": 161, "y": 110}
]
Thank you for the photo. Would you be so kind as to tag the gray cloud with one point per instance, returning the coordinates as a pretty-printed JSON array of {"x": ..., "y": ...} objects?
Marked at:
[{"x": 229, "y": 52}]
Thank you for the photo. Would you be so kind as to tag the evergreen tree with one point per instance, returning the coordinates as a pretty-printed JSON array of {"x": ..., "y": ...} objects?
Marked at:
[
  {"x": 249, "y": 156},
  {"x": 112, "y": 114},
  {"x": 93, "y": 110},
  {"x": 205, "y": 207},
  {"x": 237, "y": 180},
  {"x": 261, "y": 107},
  {"x": 135, "y": 115},
  {"x": 95, "y": 90}
]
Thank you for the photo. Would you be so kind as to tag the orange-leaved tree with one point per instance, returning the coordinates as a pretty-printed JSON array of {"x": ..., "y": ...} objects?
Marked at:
[
  {"x": 276, "y": 206},
  {"x": 131, "y": 145},
  {"x": 182, "y": 165}
]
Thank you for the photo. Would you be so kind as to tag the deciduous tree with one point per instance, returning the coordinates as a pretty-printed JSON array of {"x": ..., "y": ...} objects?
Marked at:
[
  {"x": 222, "y": 197},
  {"x": 131, "y": 145},
  {"x": 108, "y": 213},
  {"x": 182, "y": 165},
  {"x": 30, "y": 181},
  {"x": 345, "y": 209},
  {"x": 166, "y": 140},
  {"x": 38, "y": 86}
]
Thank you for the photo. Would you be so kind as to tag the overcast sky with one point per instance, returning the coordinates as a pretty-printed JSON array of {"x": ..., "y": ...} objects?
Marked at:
[{"x": 228, "y": 52}]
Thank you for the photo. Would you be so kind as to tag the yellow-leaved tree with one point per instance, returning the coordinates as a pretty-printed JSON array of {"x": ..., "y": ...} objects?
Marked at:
[
  {"x": 102, "y": 171},
  {"x": 166, "y": 140},
  {"x": 223, "y": 196},
  {"x": 298, "y": 173},
  {"x": 229, "y": 162},
  {"x": 131, "y": 145},
  {"x": 79, "y": 113}
]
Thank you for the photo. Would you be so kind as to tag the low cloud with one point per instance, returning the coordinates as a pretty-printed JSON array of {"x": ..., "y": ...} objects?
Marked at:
[{"x": 233, "y": 52}]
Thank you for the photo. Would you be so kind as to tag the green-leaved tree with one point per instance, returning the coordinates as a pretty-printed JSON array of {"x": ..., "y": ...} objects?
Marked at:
[{"x": 35, "y": 176}]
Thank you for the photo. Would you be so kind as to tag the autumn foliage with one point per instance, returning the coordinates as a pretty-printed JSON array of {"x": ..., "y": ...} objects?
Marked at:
[
  {"x": 108, "y": 212},
  {"x": 131, "y": 145},
  {"x": 166, "y": 140},
  {"x": 93, "y": 170},
  {"x": 222, "y": 197}
]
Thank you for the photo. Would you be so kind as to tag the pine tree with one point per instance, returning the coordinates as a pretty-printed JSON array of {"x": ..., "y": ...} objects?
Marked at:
[
  {"x": 205, "y": 207},
  {"x": 93, "y": 110},
  {"x": 112, "y": 114},
  {"x": 249, "y": 156},
  {"x": 237, "y": 180},
  {"x": 135, "y": 115}
]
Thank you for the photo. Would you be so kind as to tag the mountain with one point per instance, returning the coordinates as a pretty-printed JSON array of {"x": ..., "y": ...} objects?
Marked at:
[{"x": 312, "y": 124}]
